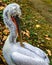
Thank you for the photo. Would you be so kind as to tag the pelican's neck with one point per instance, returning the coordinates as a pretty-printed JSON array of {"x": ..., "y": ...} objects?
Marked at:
[
  {"x": 13, "y": 34},
  {"x": 12, "y": 38},
  {"x": 11, "y": 26}
]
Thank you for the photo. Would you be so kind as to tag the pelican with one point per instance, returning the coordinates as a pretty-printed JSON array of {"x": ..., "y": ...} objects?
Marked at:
[{"x": 19, "y": 53}]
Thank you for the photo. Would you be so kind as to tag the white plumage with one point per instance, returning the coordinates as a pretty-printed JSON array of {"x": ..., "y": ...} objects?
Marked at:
[{"x": 13, "y": 52}]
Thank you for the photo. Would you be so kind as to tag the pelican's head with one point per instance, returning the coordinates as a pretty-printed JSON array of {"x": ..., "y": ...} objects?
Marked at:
[
  {"x": 11, "y": 16},
  {"x": 14, "y": 9}
]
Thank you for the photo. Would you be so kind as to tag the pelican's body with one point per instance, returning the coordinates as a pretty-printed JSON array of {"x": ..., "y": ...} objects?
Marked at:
[{"x": 14, "y": 53}]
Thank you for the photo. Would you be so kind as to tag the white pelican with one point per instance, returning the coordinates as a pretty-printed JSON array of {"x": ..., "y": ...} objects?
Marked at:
[{"x": 19, "y": 53}]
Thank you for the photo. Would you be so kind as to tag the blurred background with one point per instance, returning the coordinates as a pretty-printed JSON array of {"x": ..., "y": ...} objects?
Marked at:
[{"x": 36, "y": 25}]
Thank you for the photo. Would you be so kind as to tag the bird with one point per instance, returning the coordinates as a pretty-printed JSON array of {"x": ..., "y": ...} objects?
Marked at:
[{"x": 19, "y": 53}]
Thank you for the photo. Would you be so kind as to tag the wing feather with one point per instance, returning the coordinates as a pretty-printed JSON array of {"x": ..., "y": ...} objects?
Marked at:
[
  {"x": 20, "y": 59},
  {"x": 37, "y": 51}
]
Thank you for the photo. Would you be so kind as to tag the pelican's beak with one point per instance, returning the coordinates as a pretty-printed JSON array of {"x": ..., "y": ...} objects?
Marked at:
[{"x": 16, "y": 21}]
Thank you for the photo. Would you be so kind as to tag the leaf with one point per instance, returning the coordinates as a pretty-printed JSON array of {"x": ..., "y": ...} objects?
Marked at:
[
  {"x": 38, "y": 26},
  {"x": 6, "y": 31},
  {"x": 4, "y": 38},
  {"x": 49, "y": 52},
  {"x": 47, "y": 38},
  {"x": 1, "y": 8}
]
